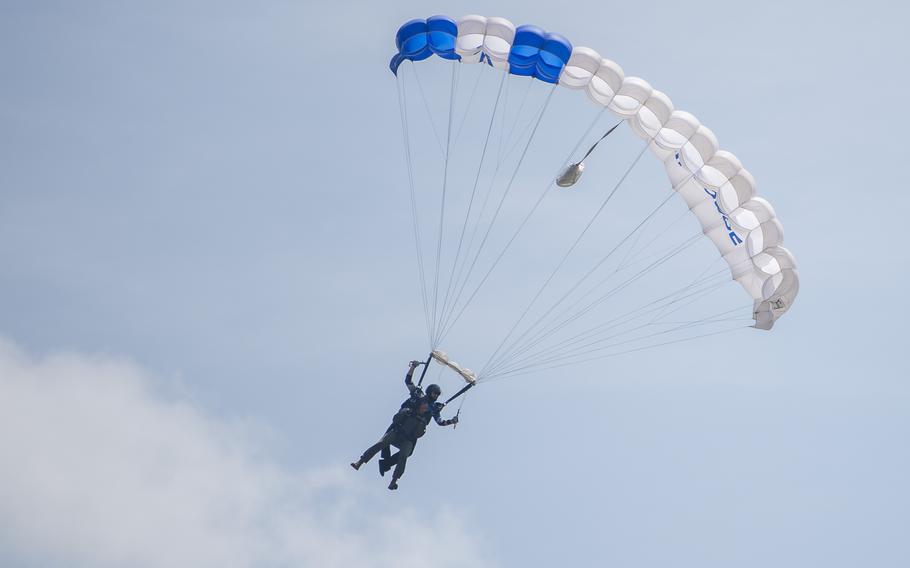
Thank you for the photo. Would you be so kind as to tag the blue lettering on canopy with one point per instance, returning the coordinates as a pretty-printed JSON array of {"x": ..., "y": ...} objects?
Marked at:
[{"x": 734, "y": 238}]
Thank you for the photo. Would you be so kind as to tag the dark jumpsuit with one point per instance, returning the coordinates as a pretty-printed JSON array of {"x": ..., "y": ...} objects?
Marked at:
[{"x": 407, "y": 425}]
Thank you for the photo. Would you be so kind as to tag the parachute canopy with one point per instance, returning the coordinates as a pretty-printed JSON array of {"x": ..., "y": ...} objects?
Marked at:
[{"x": 719, "y": 193}]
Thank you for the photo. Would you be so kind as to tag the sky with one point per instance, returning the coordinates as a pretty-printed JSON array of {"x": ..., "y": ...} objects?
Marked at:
[{"x": 208, "y": 301}]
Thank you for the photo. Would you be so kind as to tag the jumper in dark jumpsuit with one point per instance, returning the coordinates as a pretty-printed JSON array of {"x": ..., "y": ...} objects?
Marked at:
[{"x": 407, "y": 425}]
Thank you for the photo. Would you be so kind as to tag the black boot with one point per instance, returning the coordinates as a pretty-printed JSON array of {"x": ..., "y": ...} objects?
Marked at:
[
  {"x": 356, "y": 465},
  {"x": 394, "y": 484}
]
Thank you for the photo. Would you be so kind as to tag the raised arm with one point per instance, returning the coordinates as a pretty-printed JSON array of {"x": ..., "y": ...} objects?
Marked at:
[{"x": 409, "y": 378}]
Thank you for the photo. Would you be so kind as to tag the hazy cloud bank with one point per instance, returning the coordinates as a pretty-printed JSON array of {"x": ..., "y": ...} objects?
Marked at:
[{"x": 100, "y": 470}]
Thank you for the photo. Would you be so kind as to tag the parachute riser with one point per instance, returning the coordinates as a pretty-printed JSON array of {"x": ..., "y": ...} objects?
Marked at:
[
  {"x": 465, "y": 389},
  {"x": 426, "y": 365}
]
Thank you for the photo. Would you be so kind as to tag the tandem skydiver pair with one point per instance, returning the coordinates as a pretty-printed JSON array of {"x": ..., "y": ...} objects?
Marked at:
[{"x": 408, "y": 424}]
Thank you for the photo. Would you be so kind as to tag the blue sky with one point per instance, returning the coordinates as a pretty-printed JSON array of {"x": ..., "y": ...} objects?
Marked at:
[{"x": 208, "y": 300}]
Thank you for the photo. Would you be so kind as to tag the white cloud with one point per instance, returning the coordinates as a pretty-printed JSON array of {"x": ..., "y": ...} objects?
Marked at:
[{"x": 97, "y": 469}]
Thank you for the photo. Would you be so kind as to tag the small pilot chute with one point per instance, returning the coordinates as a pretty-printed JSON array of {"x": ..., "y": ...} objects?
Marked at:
[{"x": 570, "y": 176}]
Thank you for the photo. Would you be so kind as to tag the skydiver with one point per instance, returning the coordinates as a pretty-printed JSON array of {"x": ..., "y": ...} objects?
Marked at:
[{"x": 408, "y": 424}]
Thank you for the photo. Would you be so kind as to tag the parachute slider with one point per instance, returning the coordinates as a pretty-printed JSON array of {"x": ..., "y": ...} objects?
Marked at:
[{"x": 443, "y": 359}]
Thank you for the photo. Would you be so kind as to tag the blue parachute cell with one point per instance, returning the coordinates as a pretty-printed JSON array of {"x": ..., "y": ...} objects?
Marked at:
[
  {"x": 419, "y": 39},
  {"x": 526, "y": 50},
  {"x": 554, "y": 54},
  {"x": 441, "y": 32}
]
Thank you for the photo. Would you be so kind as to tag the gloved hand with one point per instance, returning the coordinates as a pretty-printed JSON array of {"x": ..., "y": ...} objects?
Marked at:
[
  {"x": 454, "y": 420},
  {"x": 415, "y": 364}
]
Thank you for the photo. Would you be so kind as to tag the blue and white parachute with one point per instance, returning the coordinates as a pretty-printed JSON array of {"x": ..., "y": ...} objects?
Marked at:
[{"x": 717, "y": 190}]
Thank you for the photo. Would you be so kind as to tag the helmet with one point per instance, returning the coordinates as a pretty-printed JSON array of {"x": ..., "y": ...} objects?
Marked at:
[{"x": 434, "y": 391}]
